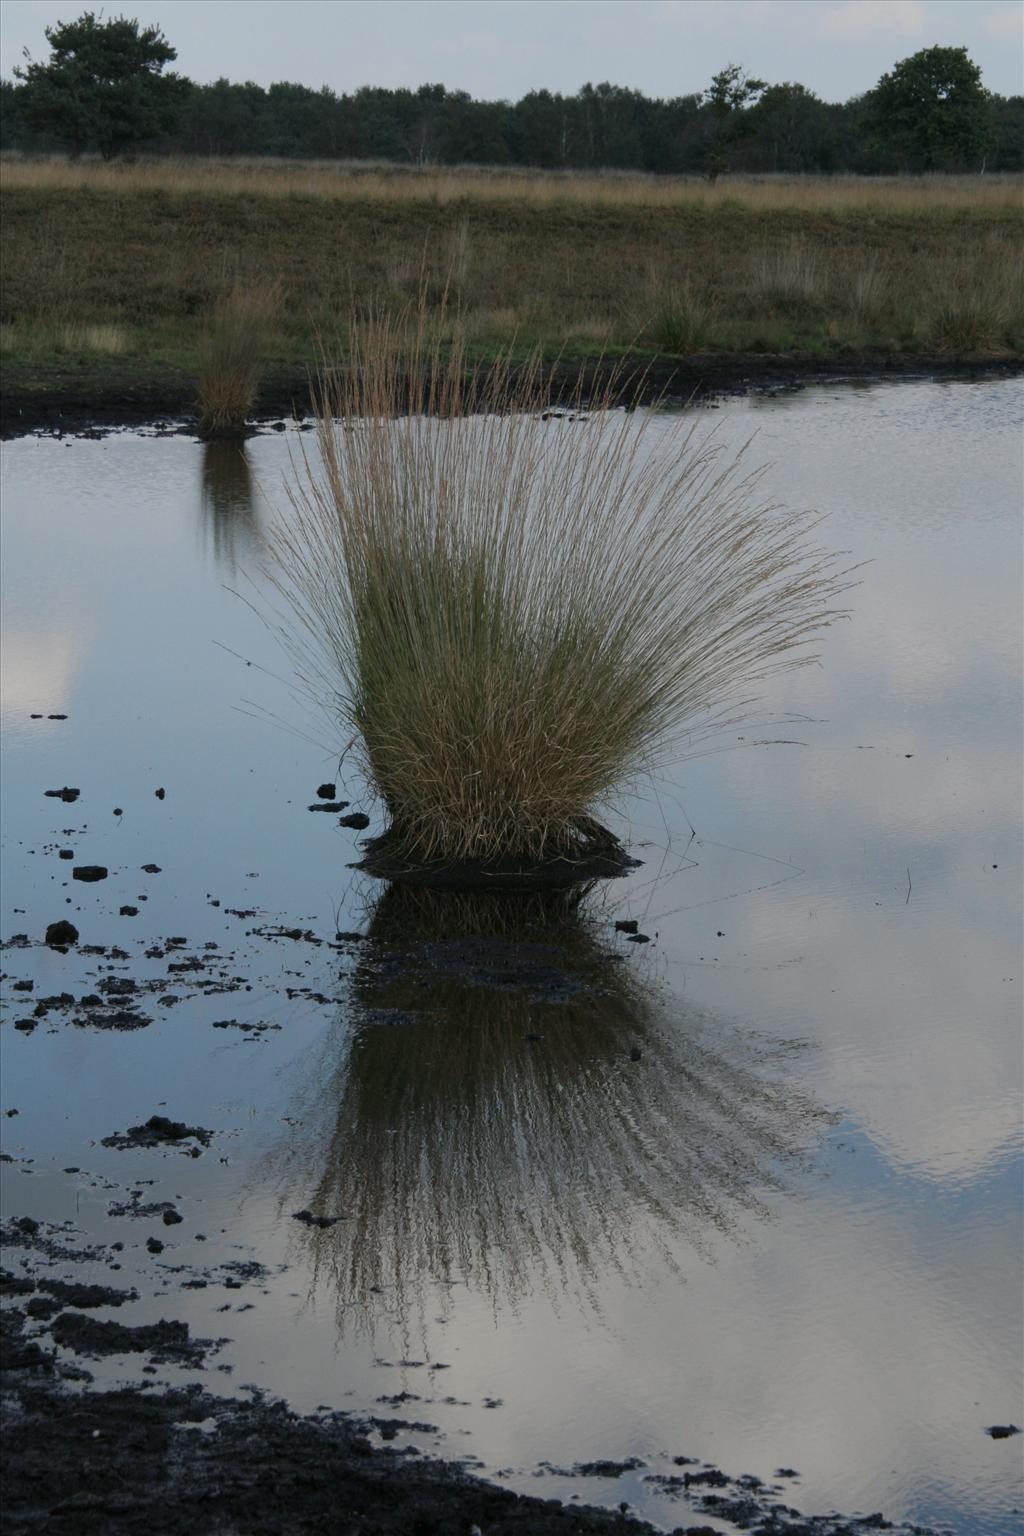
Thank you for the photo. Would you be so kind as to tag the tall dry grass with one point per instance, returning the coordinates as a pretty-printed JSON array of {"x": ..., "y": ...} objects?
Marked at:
[
  {"x": 232, "y": 353},
  {"x": 516, "y": 611},
  {"x": 443, "y": 185}
]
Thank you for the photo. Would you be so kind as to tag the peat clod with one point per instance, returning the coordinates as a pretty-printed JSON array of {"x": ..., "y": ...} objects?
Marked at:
[
  {"x": 627, "y": 925},
  {"x": 328, "y": 805},
  {"x": 89, "y": 872},
  {"x": 1002, "y": 1431},
  {"x": 61, "y": 934},
  {"x": 607, "y": 1468},
  {"x": 73, "y": 1293},
  {"x": 158, "y": 1131},
  {"x": 309, "y": 1220},
  {"x": 327, "y": 792},
  {"x": 63, "y": 794},
  {"x": 357, "y": 820},
  {"x": 164, "y": 1341}
]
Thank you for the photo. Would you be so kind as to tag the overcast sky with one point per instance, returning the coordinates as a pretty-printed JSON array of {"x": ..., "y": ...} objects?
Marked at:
[{"x": 503, "y": 48}]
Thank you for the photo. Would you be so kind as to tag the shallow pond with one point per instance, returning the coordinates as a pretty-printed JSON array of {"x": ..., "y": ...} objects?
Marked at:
[{"x": 748, "y": 1194}]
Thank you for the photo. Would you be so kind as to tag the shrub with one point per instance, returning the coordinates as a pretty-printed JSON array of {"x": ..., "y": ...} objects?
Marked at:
[{"x": 516, "y": 609}]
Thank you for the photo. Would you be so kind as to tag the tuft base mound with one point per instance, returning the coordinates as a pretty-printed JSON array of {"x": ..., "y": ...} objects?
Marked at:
[{"x": 600, "y": 857}]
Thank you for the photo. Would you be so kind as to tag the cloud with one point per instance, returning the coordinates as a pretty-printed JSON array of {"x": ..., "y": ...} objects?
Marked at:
[{"x": 857, "y": 18}]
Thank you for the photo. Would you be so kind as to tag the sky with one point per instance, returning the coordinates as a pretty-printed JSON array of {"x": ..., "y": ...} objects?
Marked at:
[{"x": 504, "y": 48}]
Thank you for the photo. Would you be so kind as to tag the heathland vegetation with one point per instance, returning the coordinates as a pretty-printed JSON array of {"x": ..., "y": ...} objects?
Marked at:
[
  {"x": 117, "y": 266},
  {"x": 602, "y": 239}
]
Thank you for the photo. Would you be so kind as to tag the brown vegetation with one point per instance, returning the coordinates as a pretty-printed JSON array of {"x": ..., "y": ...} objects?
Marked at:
[{"x": 578, "y": 264}]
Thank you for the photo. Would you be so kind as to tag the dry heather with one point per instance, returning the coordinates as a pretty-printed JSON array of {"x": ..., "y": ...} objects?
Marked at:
[
  {"x": 581, "y": 264},
  {"x": 440, "y": 185}
]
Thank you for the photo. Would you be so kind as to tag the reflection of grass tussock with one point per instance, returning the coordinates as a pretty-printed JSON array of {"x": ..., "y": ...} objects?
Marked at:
[
  {"x": 228, "y": 501},
  {"x": 232, "y": 353},
  {"x": 515, "y": 613},
  {"x": 459, "y": 1148}
]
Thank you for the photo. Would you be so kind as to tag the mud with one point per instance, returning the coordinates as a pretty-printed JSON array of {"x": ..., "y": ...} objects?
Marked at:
[
  {"x": 181, "y": 1462},
  {"x": 55, "y": 400}
]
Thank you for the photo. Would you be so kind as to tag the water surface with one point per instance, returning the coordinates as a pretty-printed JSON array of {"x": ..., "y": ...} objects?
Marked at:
[{"x": 749, "y": 1193}]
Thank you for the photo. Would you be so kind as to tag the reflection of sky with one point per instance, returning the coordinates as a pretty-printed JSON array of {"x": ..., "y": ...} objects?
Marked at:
[
  {"x": 872, "y": 1323},
  {"x": 37, "y": 666}
]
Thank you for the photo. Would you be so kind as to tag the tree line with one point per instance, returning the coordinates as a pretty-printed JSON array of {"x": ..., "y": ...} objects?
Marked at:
[{"x": 105, "y": 88}]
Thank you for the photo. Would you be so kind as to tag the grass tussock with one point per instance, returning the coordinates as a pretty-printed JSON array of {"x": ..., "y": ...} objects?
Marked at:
[
  {"x": 790, "y": 275},
  {"x": 681, "y": 322},
  {"x": 232, "y": 354},
  {"x": 974, "y": 310},
  {"x": 515, "y": 610}
]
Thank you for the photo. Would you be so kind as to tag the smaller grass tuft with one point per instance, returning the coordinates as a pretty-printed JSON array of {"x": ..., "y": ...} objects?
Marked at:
[
  {"x": 979, "y": 308},
  {"x": 232, "y": 352},
  {"x": 791, "y": 275},
  {"x": 682, "y": 322}
]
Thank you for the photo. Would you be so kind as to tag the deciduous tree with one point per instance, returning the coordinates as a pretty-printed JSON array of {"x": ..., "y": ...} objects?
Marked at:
[
  {"x": 932, "y": 113},
  {"x": 104, "y": 85}
]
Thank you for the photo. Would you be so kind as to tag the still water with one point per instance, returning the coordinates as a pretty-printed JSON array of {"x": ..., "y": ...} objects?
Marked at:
[{"x": 749, "y": 1193}]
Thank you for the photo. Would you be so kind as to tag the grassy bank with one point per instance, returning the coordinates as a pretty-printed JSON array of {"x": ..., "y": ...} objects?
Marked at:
[{"x": 112, "y": 268}]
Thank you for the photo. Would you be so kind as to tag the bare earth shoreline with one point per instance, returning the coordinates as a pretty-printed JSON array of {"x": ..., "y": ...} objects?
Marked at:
[{"x": 70, "y": 401}]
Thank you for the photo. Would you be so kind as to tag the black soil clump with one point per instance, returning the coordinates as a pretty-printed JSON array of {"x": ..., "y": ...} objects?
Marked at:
[
  {"x": 65, "y": 794},
  {"x": 165, "y": 1342},
  {"x": 309, "y": 1220},
  {"x": 61, "y": 934},
  {"x": 158, "y": 1131},
  {"x": 89, "y": 872}
]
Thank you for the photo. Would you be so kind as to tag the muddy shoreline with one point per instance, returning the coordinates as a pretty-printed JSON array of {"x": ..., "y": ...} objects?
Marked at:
[
  {"x": 80, "y": 401},
  {"x": 181, "y": 1462}
]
